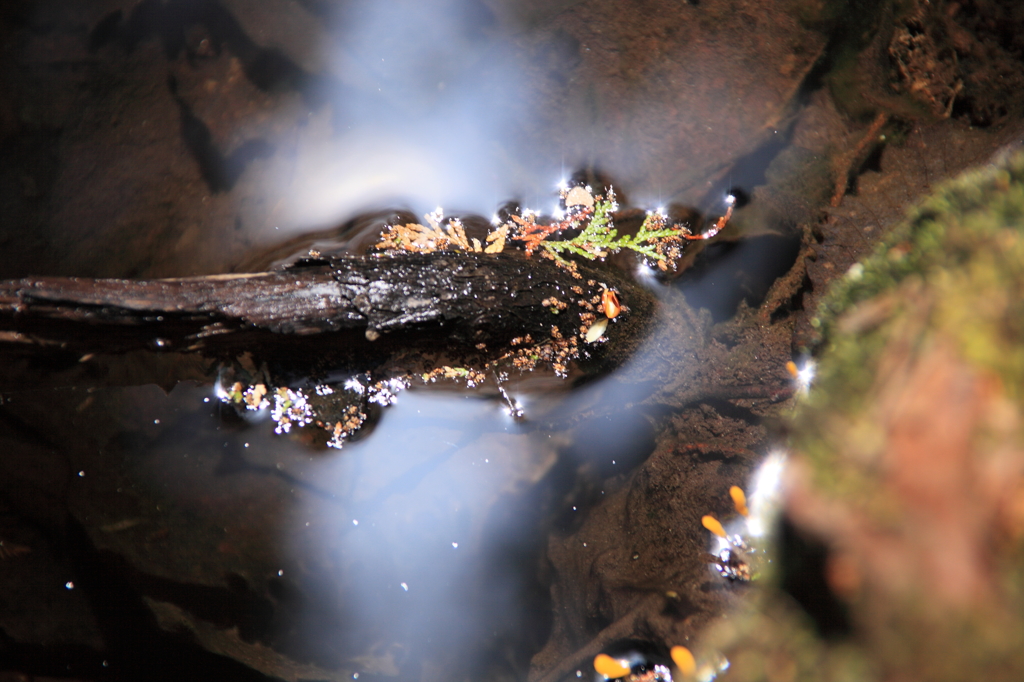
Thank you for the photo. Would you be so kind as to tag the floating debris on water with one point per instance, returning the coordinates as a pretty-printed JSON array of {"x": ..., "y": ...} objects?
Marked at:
[
  {"x": 802, "y": 374},
  {"x": 584, "y": 312},
  {"x": 588, "y": 214},
  {"x": 634, "y": 666},
  {"x": 738, "y": 549}
]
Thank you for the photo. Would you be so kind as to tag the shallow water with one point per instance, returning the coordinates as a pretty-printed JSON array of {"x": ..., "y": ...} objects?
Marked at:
[
  {"x": 170, "y": 534},
  {"x": 419, "y": 545}
]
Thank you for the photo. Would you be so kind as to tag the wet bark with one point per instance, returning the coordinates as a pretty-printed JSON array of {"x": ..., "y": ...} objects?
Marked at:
[{"x": 427, "y": 300}]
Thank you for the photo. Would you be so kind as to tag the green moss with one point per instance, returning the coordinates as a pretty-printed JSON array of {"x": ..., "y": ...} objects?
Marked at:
[
  {"x": 953, "y": 271},
  {"x": 978, "y": 213},
  {"x": 947, "y": 284},
  {"x": 774, "y": 640}
]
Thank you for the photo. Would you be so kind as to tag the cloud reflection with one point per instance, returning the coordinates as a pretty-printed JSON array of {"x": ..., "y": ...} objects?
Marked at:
[
  {"x": 434, "y": 94},
  {"x": 421, "y": 548}
]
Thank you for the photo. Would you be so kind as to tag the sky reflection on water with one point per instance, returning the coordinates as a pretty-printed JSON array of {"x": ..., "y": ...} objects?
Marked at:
[
  {"x": 431, "y": 122},
  {"x": 416, "y": 543}
]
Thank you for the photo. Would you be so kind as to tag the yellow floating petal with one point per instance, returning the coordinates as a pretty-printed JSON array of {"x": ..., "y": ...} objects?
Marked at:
[
  {"x": 739, "y": 500},
  {"x": 713, "y": 525},
  {"x": 684, "y": 660},
  {"x": 610, "y": 667}
]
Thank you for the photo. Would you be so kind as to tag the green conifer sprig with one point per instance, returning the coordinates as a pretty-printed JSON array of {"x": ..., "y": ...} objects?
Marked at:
[{"x": 599, "y": 238}]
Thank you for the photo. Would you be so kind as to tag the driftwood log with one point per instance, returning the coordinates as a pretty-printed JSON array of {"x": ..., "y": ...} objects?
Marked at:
[{"x": 355, "y": 306}]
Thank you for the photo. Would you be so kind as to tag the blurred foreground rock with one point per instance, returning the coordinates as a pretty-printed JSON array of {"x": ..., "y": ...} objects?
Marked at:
[{"x": 908, "y": 461}]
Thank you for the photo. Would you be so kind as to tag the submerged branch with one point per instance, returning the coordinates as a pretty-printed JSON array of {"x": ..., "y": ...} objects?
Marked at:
[{"x": 469, "y": 301}]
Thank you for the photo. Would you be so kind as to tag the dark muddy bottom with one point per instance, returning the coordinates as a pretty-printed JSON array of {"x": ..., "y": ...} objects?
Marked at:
[{"x": 151, "y": 530}]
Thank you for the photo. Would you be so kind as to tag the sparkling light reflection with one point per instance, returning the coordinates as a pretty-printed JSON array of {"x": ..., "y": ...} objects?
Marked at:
[
  {"x": 765, "y": 493},
  {"x": 805, "y": 375}
]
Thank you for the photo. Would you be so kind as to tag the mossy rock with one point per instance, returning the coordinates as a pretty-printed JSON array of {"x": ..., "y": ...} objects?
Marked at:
[
  {"x": 964, "y": 245},
  {"x": 907, "y": 457}
]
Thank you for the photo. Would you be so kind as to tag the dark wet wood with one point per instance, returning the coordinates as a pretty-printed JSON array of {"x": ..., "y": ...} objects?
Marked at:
[{"x": 464, "y": 299}]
